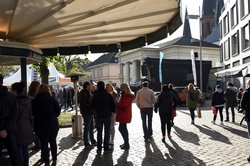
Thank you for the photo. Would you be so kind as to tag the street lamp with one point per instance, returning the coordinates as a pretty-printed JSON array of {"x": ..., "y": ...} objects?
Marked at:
[{"x": 200, "y": 28}]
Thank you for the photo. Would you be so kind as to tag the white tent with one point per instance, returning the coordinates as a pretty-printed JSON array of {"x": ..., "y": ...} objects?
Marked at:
[{"x": 55, "y": 78}]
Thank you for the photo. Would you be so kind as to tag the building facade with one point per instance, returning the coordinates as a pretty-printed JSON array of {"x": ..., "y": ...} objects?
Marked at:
[
  {"x": 235, "y": 46},
  {"x": 105, "y": 69}
]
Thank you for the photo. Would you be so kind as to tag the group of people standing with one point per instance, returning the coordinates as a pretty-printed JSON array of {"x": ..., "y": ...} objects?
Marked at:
[{"x": 22, "y": 116}]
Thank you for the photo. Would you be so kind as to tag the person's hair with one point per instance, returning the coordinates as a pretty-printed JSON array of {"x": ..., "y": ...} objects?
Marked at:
[
  {"x": 33, "y": 88},
  {"x": 191, "y": 86},
  {"x": 100, "y": 85},
  {"x": 241, "y": 89},
  {"x": 170, "y": 86},
  {"x": 165, "y": 88},
  {"x": 126, "y": 88},
  {"x": 18, "y": 87},
  {"x": 44, "y": 88},
  {"x": 85, "y": 85},
  {"x": 145, "y": 84},
  {"x": 229, "y": 84},
  {"x": 112, "y": 87}
]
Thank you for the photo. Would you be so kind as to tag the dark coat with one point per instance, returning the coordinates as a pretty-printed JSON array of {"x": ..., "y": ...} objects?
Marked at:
[
  {"x": 218, "y": 99},
  {"x": 8, "y": 112},
  {"x": 124, "y": 109},
  {"x": 230, "y": 97},
  {"x": 165, "y": 102},
  {"x": 103, "y": 104},
  {"x": 85, "y": 100},
  {"x": 45, "y": 110},
  {"x": 24, "y": 120},
  {"x": 245, "y": 103}
]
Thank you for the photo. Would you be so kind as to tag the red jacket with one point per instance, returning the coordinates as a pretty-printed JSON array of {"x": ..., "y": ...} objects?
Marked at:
[{"x": 124, "y": 109}]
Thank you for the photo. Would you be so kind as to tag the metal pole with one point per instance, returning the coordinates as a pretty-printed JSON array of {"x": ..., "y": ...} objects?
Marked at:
[{"x": 201, "y": 83}]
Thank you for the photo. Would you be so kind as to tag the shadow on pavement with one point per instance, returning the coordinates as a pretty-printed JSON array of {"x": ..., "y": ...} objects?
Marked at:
[
  {"x": 181, "y": 156},
  {"x": 236, "y": 131},
  {"x": 67, "y": 142},
  {"x": 82, "y": 157},
  {"x": 104, "y": 160},
  {"x": 214, "y": 135},
  {"x": 123, "y": 160},
  {"x": 187, "y": 136},
  {"x": 153, "y": 155}
]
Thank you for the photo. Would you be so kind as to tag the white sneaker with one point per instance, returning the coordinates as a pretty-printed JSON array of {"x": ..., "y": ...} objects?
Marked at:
[
  {"x": 221, "y": 123},
  {"x": 213, "y": 121}
]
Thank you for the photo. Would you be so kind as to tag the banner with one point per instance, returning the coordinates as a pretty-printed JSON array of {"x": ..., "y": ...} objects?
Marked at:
[
  {"x": 193, "y": 67},
  {"x": 34, "y": 75},
  {"x": 160, "y": 62}
]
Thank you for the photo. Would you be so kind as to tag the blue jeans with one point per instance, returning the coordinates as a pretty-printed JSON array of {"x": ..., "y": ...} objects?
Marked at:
[
  {"x": 24, "y": 155},
  {"x": 88, "y": 129},
  {"x": 192, "y": 113},
  {"x": 227, "y": 113},
  {"x": 100, "y": 122},
  {"x": 248, "y": 127},
  {"x": 124, "y": 132},
  {"x": 146, "y": 116}
]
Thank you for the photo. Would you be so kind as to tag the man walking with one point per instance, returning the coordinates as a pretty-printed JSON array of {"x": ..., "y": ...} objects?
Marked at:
[
  {"x": 231, "y": 100},
  {"x": 103, "y": 103},
  {"x": 145, "y": 100},
  {"x": 8, "y": 126}
]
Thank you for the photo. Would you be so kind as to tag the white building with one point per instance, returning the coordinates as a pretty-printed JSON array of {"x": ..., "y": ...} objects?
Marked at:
[
  {"x": 235, "y": 46},
  {"x": 105, "y": 69}
]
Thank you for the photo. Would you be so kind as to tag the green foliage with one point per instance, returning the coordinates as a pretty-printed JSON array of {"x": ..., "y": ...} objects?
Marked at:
[
  {"x": 65, "y": 119},
  {"x": 7, "y": 70}
]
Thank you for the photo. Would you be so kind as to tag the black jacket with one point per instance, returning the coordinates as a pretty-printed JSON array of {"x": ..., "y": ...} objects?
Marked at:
[
  {"x": 8, "y": 113},
  {"x": 218, "y": 98},
  {"x": 45, "y": 110},
  {"x": 245, "y": 103},
  {"x": 24, "y": 120},
  {"x": 85, "y": 100},
  {"x": 165, "y": 102},
  {"x": 103, "y": 104}
]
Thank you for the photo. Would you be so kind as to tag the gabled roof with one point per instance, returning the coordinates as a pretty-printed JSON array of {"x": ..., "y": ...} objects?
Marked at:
[
  {"x": 105, "y": 58},
  {"x": 186, "y": 41}
]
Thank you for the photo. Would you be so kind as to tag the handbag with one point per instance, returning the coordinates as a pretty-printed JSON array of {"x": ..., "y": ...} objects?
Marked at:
[
  {"x": 199, "y": 112},
  {"x": 214, "y": 110},
  {"x": 173, "y": 112}
]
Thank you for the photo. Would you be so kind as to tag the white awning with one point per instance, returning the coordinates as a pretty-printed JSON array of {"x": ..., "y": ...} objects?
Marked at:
[
  {"x": 237, "y": 71},
  {"x": 75, "y": 23}
]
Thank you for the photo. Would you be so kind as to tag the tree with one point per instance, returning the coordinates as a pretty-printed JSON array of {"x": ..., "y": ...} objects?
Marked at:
[{"x": 8, "y": 70}]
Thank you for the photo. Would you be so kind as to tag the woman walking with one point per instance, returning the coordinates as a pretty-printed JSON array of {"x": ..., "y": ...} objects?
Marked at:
[
  {"x": 110, "y": 89},
  {"x": 165, "y": 104},
  {"x": 192, "y": 100},
  {"x": 218, "y": 103},
  {"x": 124, "y": 113},
  {"x": 46, "y": 110},
  {"x": 24, "y": 121}
]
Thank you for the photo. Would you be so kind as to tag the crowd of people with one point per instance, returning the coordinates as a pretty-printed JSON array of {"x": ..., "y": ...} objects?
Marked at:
[{"x": 34, "y": 117}]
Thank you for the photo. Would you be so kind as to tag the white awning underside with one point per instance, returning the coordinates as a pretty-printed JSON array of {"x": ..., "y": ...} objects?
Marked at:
[{"x": 65, "y": 23}]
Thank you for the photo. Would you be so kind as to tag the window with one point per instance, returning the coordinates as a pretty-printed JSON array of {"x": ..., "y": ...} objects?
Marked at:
[
  {"x": 93, "y": 74},
  {"x": 246, "y": 60},
  {"x": 235, "y": 44},
  {"x": 225, "y": 24},
  {"x": 221, "y": 53},
  {"x": 221, "y": 30},
  {"x": 226, "y": 50},
  {"x": 244, "y": 7},
  {"x": 227, "y": 66},
  {"x": 234, "y": 16},
  {"x": 237, "y": 63},
  {"x": 245, "y": 37}
]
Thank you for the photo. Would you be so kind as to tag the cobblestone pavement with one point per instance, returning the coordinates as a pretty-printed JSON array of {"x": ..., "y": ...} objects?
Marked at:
[{"x": 201, "y": 144}]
